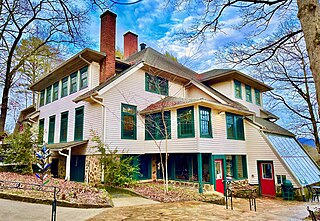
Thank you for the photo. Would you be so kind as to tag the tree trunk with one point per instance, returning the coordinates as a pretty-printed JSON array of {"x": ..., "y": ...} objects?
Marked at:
[
  {"x": 4, "y": 105},
  {"x": 309, "y": 16}
]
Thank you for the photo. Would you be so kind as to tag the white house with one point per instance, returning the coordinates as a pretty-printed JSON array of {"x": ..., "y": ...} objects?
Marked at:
[{"x": 217, "y": 126}]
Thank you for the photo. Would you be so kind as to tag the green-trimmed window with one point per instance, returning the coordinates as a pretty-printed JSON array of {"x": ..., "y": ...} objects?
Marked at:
[
  {"x": 48, "y": 98},
  {"x": 73, "y": 82},
  {"x": 248, "y": 94},
  {"x": 128, "y": 121},
  {"x": 237, "y": 89},
  {"x": 155, "y": 128},
  {"x": 64, "y": 87},
  {"x": 156, "y": 84},
  {"x": 41, "y": 131},
  {"x": 42, "y": 98},
  {"x": 235, "y": 128},
  {"x": 257, "y": 96},
  {"x": 185, "y": 122},
  {"x": 78, "y": 125},
  {"x": 205, "y": 122},
  {"x": 52, "y": 121},
  {"x": 55, "y": 94},
  {"x": 64, "y": 127},
  {"x": 83, "y": 77}
]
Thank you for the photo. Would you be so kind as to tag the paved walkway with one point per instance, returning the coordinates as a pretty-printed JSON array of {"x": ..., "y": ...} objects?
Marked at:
[
  {"x": 267, "y": 209},
  {"x": 132, "y": 201},
  {"x": 18, "y": 211}
]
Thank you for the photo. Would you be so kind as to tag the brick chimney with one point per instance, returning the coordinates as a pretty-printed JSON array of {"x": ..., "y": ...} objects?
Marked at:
[
  {"x": 107, "y": 45},
  {"x": 130, "y": 44}
]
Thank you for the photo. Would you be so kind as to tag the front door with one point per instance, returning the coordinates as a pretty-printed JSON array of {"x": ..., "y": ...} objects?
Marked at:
[
  {"x": 77, "y": 169},
  {"x": 266, "y": 179},
  {"x": 219, "y": 176}
]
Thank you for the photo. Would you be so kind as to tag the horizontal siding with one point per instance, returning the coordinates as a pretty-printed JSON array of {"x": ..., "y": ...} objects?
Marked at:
[
  {"x": 258, "y": 149},
  {"x": 194, "y": 92},
  {"x": 95, "y": 74}
]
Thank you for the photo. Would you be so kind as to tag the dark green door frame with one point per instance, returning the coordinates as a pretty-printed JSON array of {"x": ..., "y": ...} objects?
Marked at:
[{"x": 200, "y": 173}]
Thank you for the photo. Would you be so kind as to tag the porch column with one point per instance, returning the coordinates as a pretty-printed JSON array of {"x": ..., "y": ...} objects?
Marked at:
[
  {"x": 211, "y": 170},
  {"x": 200, "y": 172},
  {"x": 68, "y": 165}
]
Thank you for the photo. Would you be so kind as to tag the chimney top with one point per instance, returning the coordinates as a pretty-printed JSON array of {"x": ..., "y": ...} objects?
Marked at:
[
  {"x": 130, "y": 32},
  {"x": 108, "y": 12},
  {"x": 142, "y": 46}
]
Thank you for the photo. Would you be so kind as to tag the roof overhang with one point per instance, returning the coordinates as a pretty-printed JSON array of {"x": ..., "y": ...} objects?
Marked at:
[
  {"x": 66, "y": 68},
  {"x": 67, "y": 145},
  {"x": 237, "y": 75}
]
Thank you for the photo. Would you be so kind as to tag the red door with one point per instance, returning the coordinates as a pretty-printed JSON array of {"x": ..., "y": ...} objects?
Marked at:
[
  {"x": 266, "y": 179},
  {"x": 219, "y": 176}
]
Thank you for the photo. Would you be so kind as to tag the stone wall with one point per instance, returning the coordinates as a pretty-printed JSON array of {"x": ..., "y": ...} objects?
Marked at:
[
  {"x": 154, "y": 167},
  {"x": 92, "y": 169},
  {"x": 61, "y": 167}
]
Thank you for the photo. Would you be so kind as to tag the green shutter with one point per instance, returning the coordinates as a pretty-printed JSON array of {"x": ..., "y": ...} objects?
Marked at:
[
  {"x": 185, "y": 122},
  {"x": 237, "y": 89},
  {"x": 257, "y": 97},
  {"x": 48, "y": 98},
  {"x": 41, "y": 131},
  {"x": 42, "y": 98},
  {"x": 248, "y": 94},
  {"x": 84, "y": 77},
  {"x": 205, "y": 122},
  {"x": 64, "y": 127},
  {"x": 64, "y": 87},
  {"x": 52, "y": 120},
  {"x": 55, "y": 94},
  {"x": 73, "y": 82},
  {"x": 128, "y": 121},
  {"x": 78, "y": 125}
]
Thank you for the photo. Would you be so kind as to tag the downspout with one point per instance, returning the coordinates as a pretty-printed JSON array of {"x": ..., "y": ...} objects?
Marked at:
[{"x": 68, "y": 163}]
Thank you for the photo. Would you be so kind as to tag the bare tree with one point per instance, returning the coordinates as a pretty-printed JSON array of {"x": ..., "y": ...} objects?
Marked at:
[
  {"x": 58, "y": 21},
  {"x": 259, "y": 15}
]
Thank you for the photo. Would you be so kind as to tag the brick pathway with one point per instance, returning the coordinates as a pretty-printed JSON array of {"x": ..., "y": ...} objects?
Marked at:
[{"x": 267, "y": 209}]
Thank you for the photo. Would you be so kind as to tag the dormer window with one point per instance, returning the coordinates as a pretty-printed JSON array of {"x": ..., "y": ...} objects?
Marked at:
[
  {"x": 237, "y": 89},
  {"x": 48, "y": 98},
  {"x": 248, "y": 94},
  {"x": 55, "y": 94},
  {"x": 257, "y": 97},
  {"x": 73, "y": 82},
  {"x": 64, "y": 87},
  {"x": 83, "y": 77}
]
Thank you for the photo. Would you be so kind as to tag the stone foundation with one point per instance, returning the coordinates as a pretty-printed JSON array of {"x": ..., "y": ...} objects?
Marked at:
[
  {"x": 206, "y": 186},
  {"x": 92, "y": 169},
  {"x": 61, "y": 167},
  {"x": 154, "y": 168}
]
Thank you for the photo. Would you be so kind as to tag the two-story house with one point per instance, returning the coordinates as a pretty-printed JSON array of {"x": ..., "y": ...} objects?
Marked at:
[{"x": 213, "y": 124}]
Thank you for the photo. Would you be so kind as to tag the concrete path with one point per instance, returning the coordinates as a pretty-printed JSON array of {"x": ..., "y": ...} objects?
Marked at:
[
  {"x": 18, "y": 211},
  {"x": 132, "y": 201}
]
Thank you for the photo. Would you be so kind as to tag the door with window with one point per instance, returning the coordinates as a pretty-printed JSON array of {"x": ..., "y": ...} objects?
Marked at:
[
  {"x": 77, "y": 168},
  {"x": 219, "y": 175},
  {"x": 266, "y": 179}
]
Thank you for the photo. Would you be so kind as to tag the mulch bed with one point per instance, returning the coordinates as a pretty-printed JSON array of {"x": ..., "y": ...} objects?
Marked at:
[
  {"x": 155, "y": 191},
  {"x": 70, "y": 192}
]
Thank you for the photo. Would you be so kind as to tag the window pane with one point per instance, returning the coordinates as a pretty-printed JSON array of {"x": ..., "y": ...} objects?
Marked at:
[
  {"x": 185, "y": 122},
  {"x": 230, "y": 126},
  {"x": 48, "y": 98},
  {"x": 267, "y": 171},
  {"x": 64, "y": 127},
  {"x": 205, "y": 122},
  {"x": 52, "y": 120},
  {"x": 257, "y": 97},
  {"x": 230, "y": 166},
  {"x": 41, "y": 98},
  {"x": 41, "y": 131},
  {"x": 155, "y": 129},
  {"x": 128, "y": 122},
  {"x": 78, "y": 130},
  {"x": 64, "y": 87},
  {"x": 84, "y": 77},
  {"x": 248, "y": 94},
  {"x": 156, "y": 84},
  {"x": 73, "y": 82},
  {"x": 55, "y": 91},
  {"x": 240, "y": 129},
  {"x": 237, "y": 89}
]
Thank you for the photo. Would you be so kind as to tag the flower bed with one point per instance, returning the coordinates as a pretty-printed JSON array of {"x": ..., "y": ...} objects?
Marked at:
[
  {"x": 155, "y": 191},
  {"x": 69, "y": 192}
]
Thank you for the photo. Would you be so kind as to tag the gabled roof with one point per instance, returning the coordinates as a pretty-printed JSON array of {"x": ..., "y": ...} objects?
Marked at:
[
  {"x": 270, "y": 127},
  {"x": 218, "y": 75}
]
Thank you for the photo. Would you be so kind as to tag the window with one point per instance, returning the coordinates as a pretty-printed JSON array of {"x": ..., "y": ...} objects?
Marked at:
[
  {"x": 205, "y": 122},
  {"x": 257, "y": 97},
  {"x": 156, "y": 84},
  {"x": 281, "y": 178},
  {"x": 42, "y": 98},
  {"x": 64, "y": 87},
  {"x": 52, "y": 120},
  {"x": 185, "y": 122},
  {"x": 248, "y": 94},
  {"x": 78, "y": 125},
  {"x": 155, "y": 129},
  {"x": 236, "y": 166},
  {"x": 267, "y": 171},
  {"x": 41, "y": 131},
  {"x": 237, "y": 89},
  {"x": 235, "y": 128},
  {"x": 48, "y": 98},
  {"x": 55, "y": 94},
  {"x": 128, "y": 122},
  {"x": 83, "y": 77},
  {"x": 73, "y": 82},
  {"x": 64, "y": 127}
]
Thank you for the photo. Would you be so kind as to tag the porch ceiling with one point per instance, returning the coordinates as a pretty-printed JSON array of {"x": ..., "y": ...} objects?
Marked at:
[{"x": 62, "y": 146}]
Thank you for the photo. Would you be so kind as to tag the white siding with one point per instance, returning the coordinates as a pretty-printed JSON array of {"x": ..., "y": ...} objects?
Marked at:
[
  {"x": 259, "y": 149},
  {"x": 94, "y": 75},
  {"x": 195, "y": 92},
  {"x": 224, "y": 87}
]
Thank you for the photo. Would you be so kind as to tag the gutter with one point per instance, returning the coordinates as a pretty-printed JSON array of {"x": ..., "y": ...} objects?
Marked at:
[
  {"x": 68, "y": 163},
  {"x": 103, "y": 117}
]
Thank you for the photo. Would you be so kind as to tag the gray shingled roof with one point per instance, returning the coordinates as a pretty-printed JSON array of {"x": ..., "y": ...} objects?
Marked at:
[
  {"x": 213, "y": 73},
  {"x": 270, "y": 127}
]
